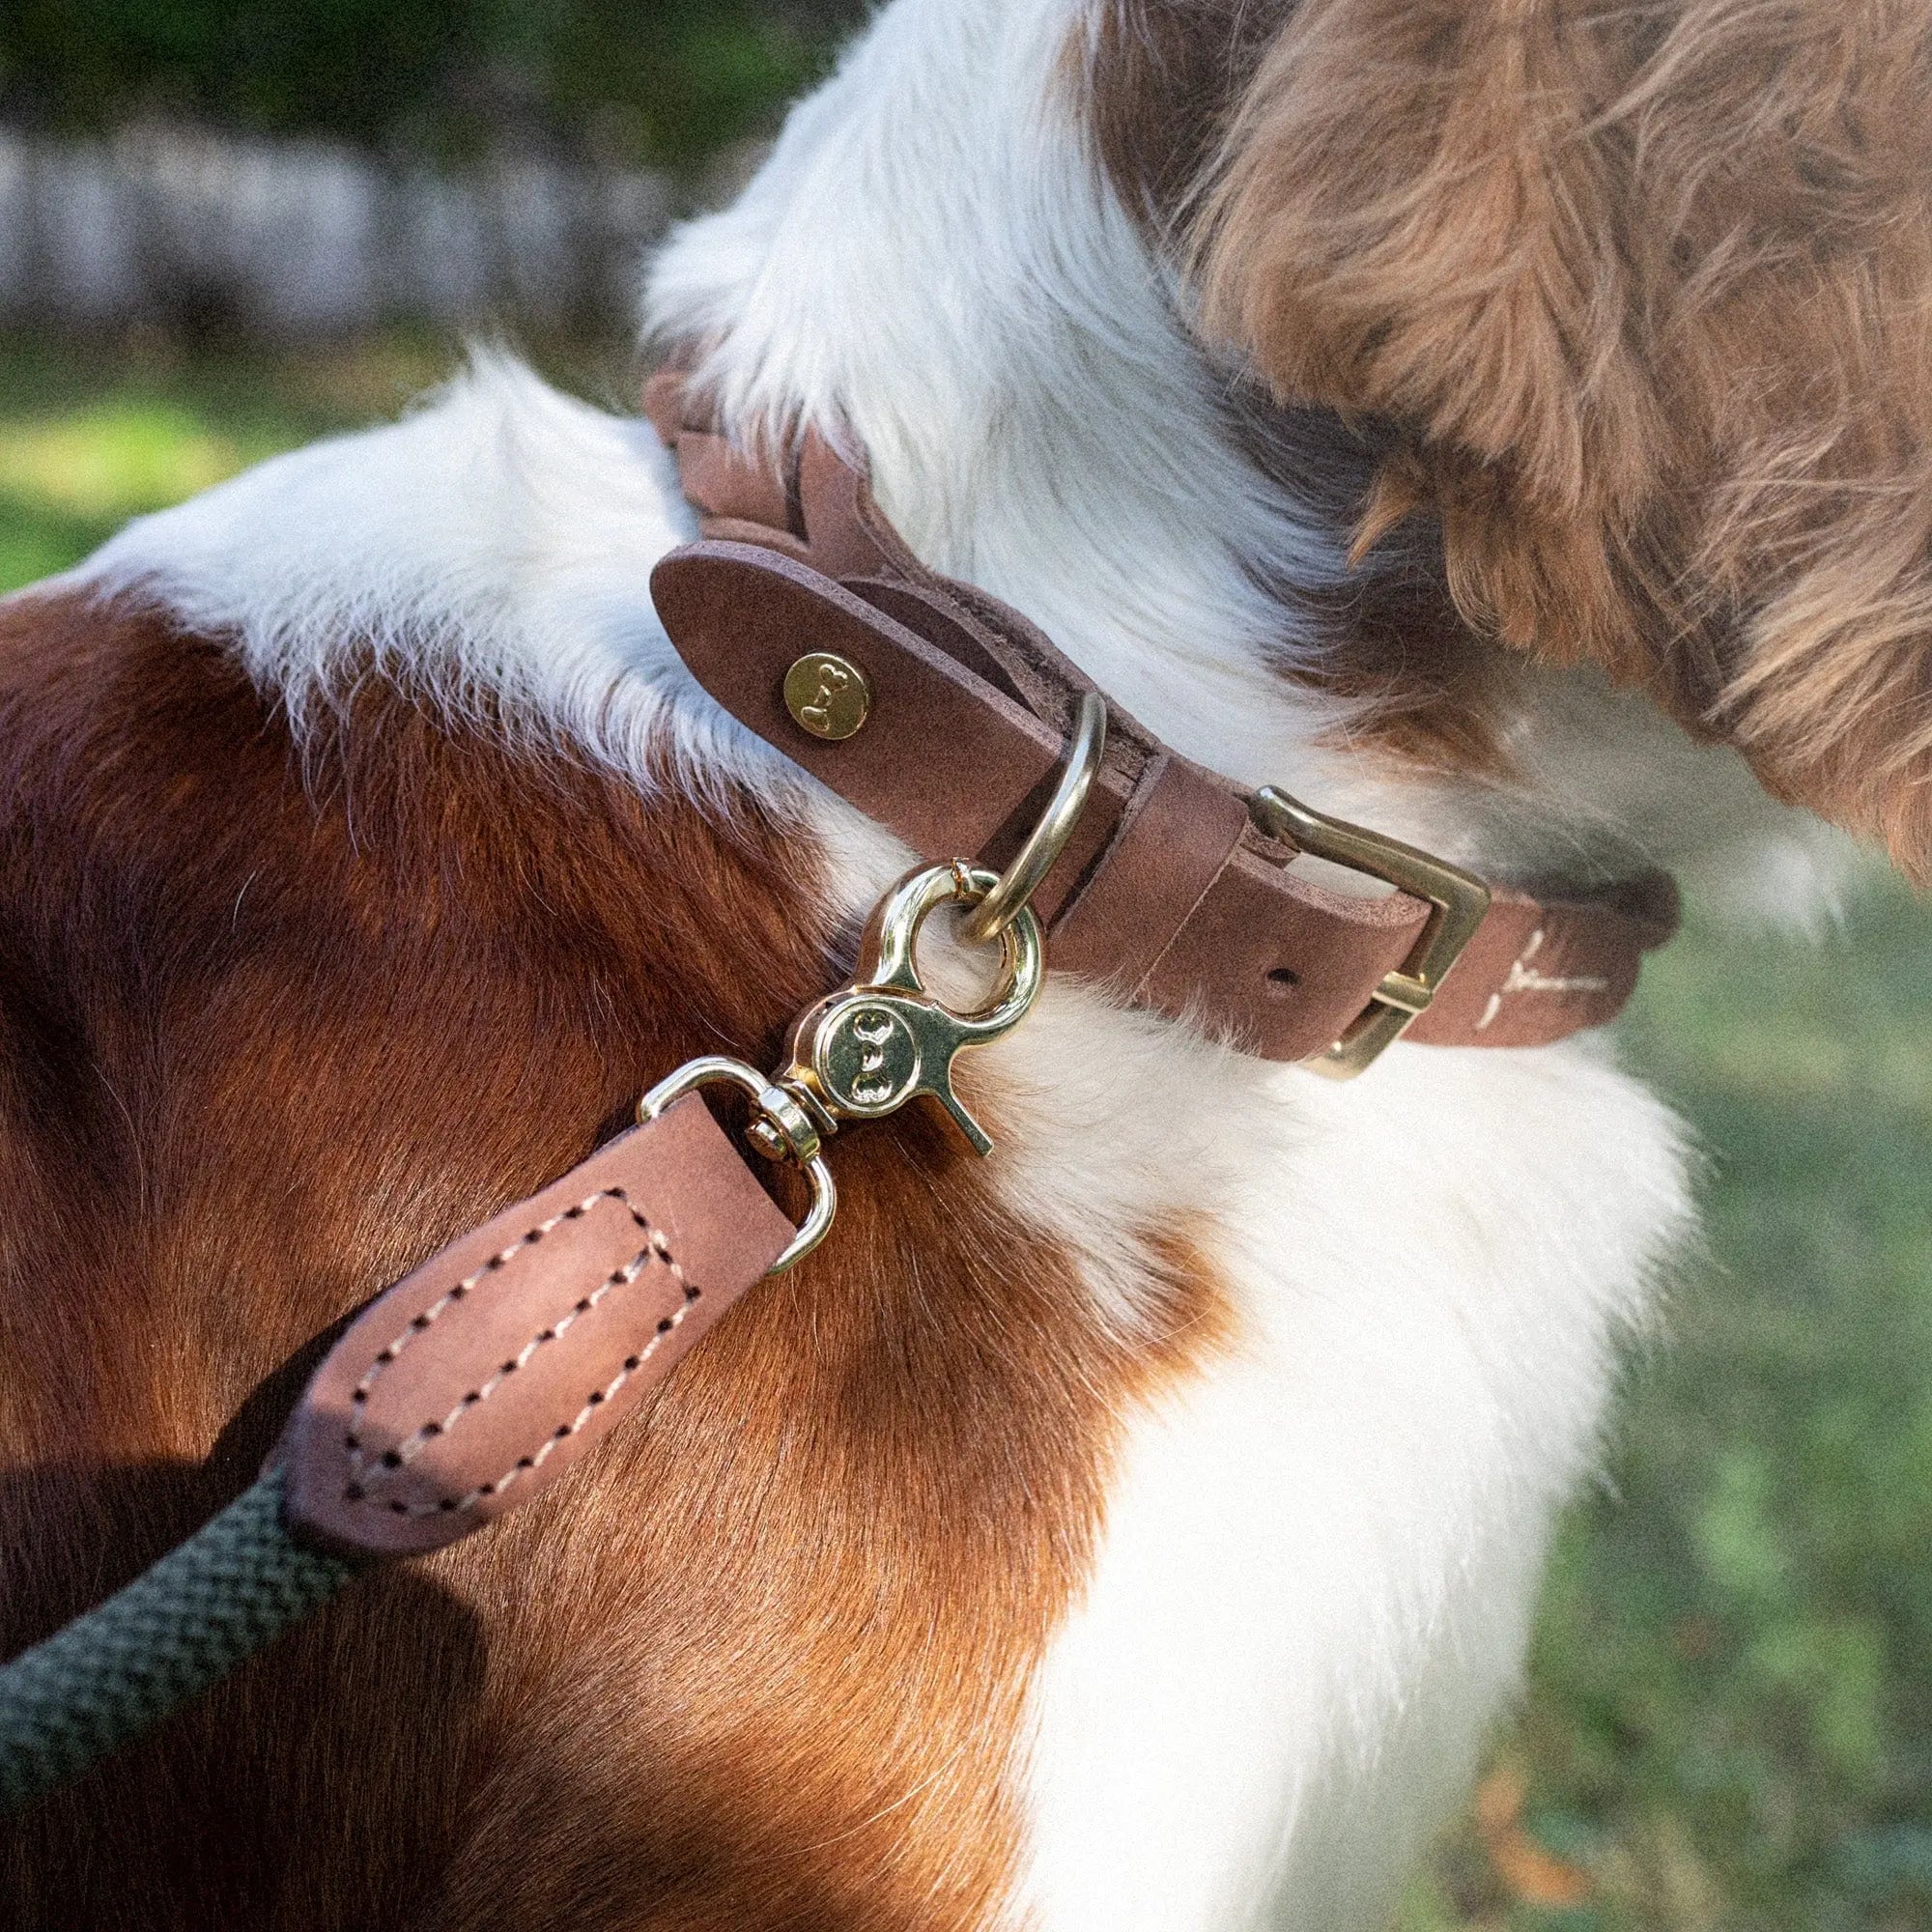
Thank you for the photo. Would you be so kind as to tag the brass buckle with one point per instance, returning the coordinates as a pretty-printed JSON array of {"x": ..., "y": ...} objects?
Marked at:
[{"x": 1459, "y": 899}]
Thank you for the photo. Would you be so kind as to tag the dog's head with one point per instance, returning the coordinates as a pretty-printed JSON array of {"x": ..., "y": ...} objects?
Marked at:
[{"x": 1639, "y": 299}]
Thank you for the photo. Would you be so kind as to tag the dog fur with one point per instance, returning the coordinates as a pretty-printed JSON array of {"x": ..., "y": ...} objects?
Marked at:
[{"x": 1140, "y": 1529}]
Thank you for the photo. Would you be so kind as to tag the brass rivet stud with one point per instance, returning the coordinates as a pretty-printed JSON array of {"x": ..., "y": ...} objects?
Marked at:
[{"x": 827, "y": 695}]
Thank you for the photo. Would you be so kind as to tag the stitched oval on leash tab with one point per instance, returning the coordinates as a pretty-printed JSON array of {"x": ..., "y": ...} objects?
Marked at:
[{"x": 482, "y": 1376}]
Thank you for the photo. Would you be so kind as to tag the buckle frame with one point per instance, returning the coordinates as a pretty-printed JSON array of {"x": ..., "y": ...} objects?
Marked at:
[{"x": 1458, "y": 900}]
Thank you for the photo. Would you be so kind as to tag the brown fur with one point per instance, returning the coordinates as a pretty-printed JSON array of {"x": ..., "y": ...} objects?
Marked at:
[
  {"x": 272, "y": 1029},
  {"x": 1643, "y": 293},
  {"x": 1158, "y": 78}
]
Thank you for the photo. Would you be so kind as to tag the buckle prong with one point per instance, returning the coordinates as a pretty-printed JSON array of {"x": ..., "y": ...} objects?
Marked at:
[{"x": 1458, "y": 901}]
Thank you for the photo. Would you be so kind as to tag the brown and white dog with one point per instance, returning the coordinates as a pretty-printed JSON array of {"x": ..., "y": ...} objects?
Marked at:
[{"x": 1419, "y": 403}]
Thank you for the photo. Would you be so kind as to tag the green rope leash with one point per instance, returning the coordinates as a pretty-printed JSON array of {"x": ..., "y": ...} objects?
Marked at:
[{"x": 230, "y": 1590}]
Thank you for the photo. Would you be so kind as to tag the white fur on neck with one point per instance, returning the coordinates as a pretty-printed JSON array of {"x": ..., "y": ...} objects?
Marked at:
[{"x": 992, "y": 334}]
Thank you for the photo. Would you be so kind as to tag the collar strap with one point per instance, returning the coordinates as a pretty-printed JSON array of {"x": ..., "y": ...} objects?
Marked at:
[{"x": 1175, "y": 890}]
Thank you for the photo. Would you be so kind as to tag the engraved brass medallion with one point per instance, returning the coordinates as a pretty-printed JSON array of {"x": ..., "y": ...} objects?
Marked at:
[
  {"x": 868, "y": 1059},
  {"x": 828, "y": 695}
]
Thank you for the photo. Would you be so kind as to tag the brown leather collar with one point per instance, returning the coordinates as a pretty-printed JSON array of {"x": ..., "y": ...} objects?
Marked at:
[{"x": 1169, "y": 892}]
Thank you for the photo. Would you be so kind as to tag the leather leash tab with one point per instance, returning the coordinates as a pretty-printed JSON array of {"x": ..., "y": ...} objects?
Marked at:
[{"x": 477, "y": 1380}]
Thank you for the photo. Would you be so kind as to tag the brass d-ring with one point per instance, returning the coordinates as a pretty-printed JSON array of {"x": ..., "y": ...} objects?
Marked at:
[{"x": 1045, "y": 842}]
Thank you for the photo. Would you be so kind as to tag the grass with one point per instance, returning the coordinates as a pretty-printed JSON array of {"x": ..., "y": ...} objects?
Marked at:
[
  {"x": 1730, "y": 1719},
  {"x": 92, "y": 437},
  {"x": 1729, "y": 1727}
]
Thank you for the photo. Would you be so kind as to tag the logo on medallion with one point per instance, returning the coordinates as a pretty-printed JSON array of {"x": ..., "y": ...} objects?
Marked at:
[
  {"x": 869, "y": 1059},
  {"x": 827, "y": 695}
]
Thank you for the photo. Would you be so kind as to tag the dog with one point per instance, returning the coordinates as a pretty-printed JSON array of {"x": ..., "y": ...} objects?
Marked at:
[{"x": 1501, "y": 421}]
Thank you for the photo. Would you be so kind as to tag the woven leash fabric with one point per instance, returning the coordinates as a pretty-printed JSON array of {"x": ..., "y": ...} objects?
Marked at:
[{"x": 233, "y": 1587}]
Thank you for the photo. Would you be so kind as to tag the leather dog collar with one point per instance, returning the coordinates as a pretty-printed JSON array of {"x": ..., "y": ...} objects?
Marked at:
[{"x": 1175, "y": 890}]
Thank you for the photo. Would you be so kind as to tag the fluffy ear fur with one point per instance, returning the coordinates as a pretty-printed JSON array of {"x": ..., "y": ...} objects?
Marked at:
[{"x": 1647, "y": 290}]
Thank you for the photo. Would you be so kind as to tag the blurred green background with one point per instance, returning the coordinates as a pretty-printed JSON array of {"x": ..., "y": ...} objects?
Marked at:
[
  {"x": 1729, "y": 1725},
  {"x": 658, "y": 82}
]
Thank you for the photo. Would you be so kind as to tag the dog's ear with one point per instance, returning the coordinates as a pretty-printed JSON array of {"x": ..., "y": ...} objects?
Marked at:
[{"x": 1647, "y": 292}]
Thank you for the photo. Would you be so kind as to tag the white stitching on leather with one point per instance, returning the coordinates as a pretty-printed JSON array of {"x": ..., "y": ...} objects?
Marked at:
[
  {"x": 1521, "y": 979},
  {"x": 525, "y": 1465},
  {"x": 361, "y": 1469}
]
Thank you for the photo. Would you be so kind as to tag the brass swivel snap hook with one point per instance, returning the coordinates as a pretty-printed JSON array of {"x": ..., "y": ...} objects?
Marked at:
[{"x": 867, "y": 1050}]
